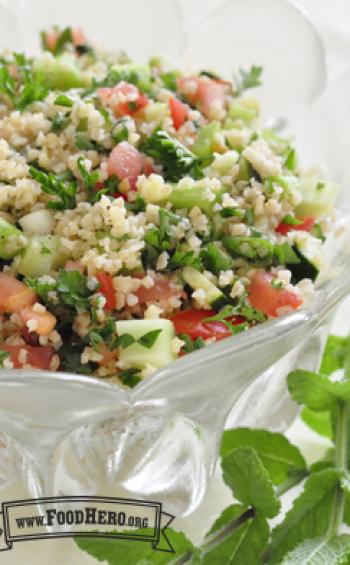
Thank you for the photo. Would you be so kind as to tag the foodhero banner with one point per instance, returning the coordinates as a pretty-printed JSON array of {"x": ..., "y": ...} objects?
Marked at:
[{"x": 84, "y": 516}]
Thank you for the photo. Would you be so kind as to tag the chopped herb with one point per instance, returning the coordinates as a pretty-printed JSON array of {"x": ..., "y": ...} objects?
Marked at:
[
  {"x": 63, "y": 100},
  {"x": 215, "y": 260},
  {"x": 3, "y": 355},
  {"x": 247, "y": 79},
  {"x": 231, "y": 211},
  {"x": 149, "y": 339},
  {"x": 136, "y": 207},
  {"x": 291, "y": 220},
  {"x": 175, "y": 158},
  {"x": 84, "y": 143},
  {"x": 82, "y": 125},
  {"x": 191, "y": 345},
  {"x": 25, "y": 90},
  {"x": 59, "y": 122},
  {"x": 210, "y": 74},
  {"x": 70, "y": 356},
  {"x": 45, "y": 250},
  {"x": 251, "y": 248},
  {"x": 125, "y": 341},
  {"x": 51, "y": 184},
  {"x": 228, "y": 312},
  {"x": 65, "y": 38},
  {"x": 72, "y": 289},
  {"x": 130, "y": 377},
  {"x": 316, "y": 231},
  {"x": 182, "y": 259},
  {"x": 90, "y": 179}
]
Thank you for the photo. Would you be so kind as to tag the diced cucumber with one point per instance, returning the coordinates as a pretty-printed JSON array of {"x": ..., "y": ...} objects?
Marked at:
[
  {"x": 136, "y": 355},
  {"x": 9, "y": 246},
  {"x": 215, "y": 259},
  {"x": 192, "y": 196},
  {"x": 246, "y": 109},
  {"x": 41, "y": 256},
  {"x": 287, "y": 182},
  {"x": 318, "y": 196},
  {"x": 204, "y": 144},
  {"x": 136, "y": 73},
  {"x": 245, "y": 171},
  {"x": 251, "y": 248},
  {"x": 156, "y": 112},
  {"x": 60, "y": 73},
  {"x": 224, "y": 163},
  {"x": 197, "y": 280},
  {"x": 308, "y": 267}
]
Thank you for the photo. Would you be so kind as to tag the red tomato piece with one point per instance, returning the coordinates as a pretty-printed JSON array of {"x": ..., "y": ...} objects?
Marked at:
[
  {"x": 306, "y": 225},
  {"x": 46, "y": 321},
  {"x": 191, "y": 322},
  {"x": 161, "y": 290},
  {"x": 124, "y": 98},
  {"x": 107, "y": 289},
  {"x": 14, "y": 294},
  {"x": 74, "y": 266},
  {"x": 78, "y": 36},
  {"x": 264, "y": 297},
  {"x": 38, "y": 357},
  {"x": 203, "y": 92},
  {"x": 178, "y": 112},
  {"x": 125, "y": 162}
]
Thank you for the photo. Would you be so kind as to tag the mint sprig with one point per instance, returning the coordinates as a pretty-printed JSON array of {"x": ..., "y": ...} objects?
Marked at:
[{"x": 260, "y": 466}]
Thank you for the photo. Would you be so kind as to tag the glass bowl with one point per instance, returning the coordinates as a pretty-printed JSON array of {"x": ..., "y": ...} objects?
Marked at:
[{"x": 73, "y": 435}]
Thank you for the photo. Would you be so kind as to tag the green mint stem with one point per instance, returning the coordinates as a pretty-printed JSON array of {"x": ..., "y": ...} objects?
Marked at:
[
  {"x": 218, "y": 536},
  {"x": 291, "y": 482},
  {"x": 340, "y": 460}
]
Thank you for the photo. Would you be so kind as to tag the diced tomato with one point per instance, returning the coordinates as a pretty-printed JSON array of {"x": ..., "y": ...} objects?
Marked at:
[
  {"x": 203, "y": 92},
  {"x": 191, "y": 322},
  {"x": 14, "y": 294},
  {"x": 74, "y": 266},
  {"x": 124, "y": 98},
  {"x": 107, "y": 289},
  {"x": 125, "y": 162},
  {"x": 178, "y": 112},
  {"x": 51, "y": 36},
  {"x": 161, "y": 290},
  {"x": 264, "y": 297},
  {"x": 45, "y": 320},
  {"x": 78, "y": 36},
  {"x": 306, "y": 224},
  {"x": 38, "y": 357}
]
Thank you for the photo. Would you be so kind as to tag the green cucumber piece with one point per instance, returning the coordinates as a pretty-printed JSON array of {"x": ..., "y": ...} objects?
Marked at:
[
  {"x": 245, "y": 109},
  {"x": 215, "y": 259},
  {"x": 306, "y": 268},
  {"x": 41, "y": 256},
  {"x": 136, "y": 355},
  {"x": 318, "y": 196},
  {"x": 251, "y": 248},
  {"x": 204, "y": 143},
  {"x": 188, "y": 198},
  {"x": 245, "y": 171},
  {"x": 136, "y": 73},
  {"x": 8, "y": 248},
  {"x": 197, "y": 280},
  {"x": 60, "y": 73}
]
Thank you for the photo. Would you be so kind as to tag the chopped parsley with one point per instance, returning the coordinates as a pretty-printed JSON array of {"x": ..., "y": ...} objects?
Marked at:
[
  {"x": 63, "y": 100},
  {"x": 191, "y": 345},
  {"x": 244, "y": 80},
  {"x": 215, "y": 260},
  {"x": 176, "y": 160},
  {"x": 147, "y": 340},
  {"x": 90, "y": 179},
  {"x": 130, "y": 377},
  {"x": 29, "y": 87},
  {"x": 59, "y": 122},
  {"x": 182, "y": 259},
  {"x": 64, "y": 192}
]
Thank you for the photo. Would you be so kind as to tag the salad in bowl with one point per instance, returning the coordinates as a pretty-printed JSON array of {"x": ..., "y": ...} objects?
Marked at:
[{"x": 145, "y": 212}]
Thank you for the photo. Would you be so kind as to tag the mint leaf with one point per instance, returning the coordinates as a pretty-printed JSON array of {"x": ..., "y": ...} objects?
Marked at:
[
  {"x": 320, "y": 422},
  {"x": 333, "y": 355},
  {"x": 126, "y": 552},
  {"x": 333, "y": 551},
  {"x": 245, "y": 474},
  {"x": 148, "y": 340},
  {"x": 241, "y": 544},
  {"x": 317, "y": 391},
  {"x": 279, "y": 457},
  {"x": 309, "y": 516}
]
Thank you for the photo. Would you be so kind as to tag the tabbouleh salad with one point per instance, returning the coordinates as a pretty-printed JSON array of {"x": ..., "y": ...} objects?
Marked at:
[{"x": 144, "y": 212}]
